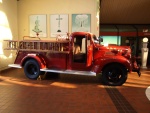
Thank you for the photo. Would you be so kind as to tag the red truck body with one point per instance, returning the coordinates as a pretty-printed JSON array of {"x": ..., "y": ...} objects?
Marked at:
[{"x": 36, "y": 56}]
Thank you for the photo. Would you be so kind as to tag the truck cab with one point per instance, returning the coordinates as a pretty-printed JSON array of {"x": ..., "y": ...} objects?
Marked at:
[
  {"x": 81, "y": 53},
  {"x": 82, "y": 60}
]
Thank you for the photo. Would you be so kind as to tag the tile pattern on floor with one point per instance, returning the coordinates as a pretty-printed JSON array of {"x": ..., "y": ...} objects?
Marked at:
[{"x": 72, "y": 94}]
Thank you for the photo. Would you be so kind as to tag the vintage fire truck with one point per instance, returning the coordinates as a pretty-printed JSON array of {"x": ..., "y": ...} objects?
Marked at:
[{"x": 37, "y": 56}]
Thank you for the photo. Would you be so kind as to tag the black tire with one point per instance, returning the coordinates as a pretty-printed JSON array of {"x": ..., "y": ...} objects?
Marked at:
[
  {"x": 114, "y": 75},
  {"x": 32, "y": 69}
]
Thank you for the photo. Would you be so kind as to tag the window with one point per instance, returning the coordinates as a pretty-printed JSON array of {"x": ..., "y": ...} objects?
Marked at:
[{"x": 111, "y": 40}]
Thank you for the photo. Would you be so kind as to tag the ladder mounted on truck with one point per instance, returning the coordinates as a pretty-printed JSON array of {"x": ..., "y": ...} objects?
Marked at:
[{"x": 38, "y": 45}]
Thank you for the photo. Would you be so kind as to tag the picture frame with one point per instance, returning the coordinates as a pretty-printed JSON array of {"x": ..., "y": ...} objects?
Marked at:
[
  {"x": 59, "y": 25},
  {"x": 38, "y": 25},
  {"x": 81, "y": 22}
]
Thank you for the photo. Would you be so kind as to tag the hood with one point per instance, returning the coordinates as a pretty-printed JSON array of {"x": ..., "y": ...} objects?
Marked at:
[{"x": 115, "y": 50}]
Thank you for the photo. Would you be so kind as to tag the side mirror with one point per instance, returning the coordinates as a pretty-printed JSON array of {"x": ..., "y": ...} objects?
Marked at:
[
  {"x": 96, "y": 41},
  {"x": 100, "y": 39}
]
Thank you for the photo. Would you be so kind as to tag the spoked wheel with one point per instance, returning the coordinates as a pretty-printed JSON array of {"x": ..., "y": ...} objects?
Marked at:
[
  {"x": 32, "y": 69},
  {"x": 114, "y": 75}
]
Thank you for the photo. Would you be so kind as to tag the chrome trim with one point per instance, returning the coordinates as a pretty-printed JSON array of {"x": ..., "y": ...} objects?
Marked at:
[
  {"x": 88, "y": 73},
  {"x": 15, "y": 65}
]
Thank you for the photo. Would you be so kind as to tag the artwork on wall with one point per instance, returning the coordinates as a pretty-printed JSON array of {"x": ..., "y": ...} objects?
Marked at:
[
  {"x": 38, "y": 26},
  {"x": 58, "y": 24},
  {"x": 81, "y": 22}
]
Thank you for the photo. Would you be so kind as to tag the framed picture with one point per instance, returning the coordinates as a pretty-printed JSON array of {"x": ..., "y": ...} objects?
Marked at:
[
  {"x": 81, "y": 22},
  {"x": 58, "y": 24},
  {"x": 38, "y": 25}
]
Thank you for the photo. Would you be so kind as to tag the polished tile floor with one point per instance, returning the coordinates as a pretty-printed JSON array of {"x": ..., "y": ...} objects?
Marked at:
[{"x": 72, "y": 94}]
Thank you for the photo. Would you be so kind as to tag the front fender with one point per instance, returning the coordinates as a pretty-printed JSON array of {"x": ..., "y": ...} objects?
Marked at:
[
  {"x": 100, "y": 63},
  {"x": 36, "y": 57}
]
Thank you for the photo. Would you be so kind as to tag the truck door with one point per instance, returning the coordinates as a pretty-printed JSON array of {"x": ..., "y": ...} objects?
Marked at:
[
  {"x": 83, "y": 59},
  {"x": 89, "y": 51}
]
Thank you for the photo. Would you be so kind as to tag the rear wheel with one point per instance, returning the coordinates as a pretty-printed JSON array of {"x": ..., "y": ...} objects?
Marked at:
[
  {"x": 32, "y": 69},
  {"x": 114, "y": 75}
]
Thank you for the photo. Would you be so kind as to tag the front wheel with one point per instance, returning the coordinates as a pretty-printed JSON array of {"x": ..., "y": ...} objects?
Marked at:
[
  {"x": 114, "y": 75},
  {"x": 32, "y": 69}
]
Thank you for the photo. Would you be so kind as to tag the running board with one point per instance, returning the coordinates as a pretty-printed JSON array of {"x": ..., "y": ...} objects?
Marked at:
[
  {"x": 88, "y": 73},
  {"x": 15, "y": 65}
]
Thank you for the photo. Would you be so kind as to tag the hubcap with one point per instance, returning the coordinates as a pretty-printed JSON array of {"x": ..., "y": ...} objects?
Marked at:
[
  {"x": 114, "y": 76},
  {"x": 32, "y": 69}
]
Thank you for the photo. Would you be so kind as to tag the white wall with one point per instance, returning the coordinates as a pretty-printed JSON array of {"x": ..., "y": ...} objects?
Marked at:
[
  {"x": 8, "y": 30},
  {"x": 14, "y": 19},
  {"x": 28, "y": 7}
]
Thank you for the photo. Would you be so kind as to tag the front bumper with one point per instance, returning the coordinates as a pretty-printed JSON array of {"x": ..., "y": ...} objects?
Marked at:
[
  {"x": 135, "y": 66},
  {"x": 138, "y": 71}
]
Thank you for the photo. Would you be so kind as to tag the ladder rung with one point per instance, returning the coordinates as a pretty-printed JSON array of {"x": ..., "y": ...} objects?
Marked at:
[{"x": 26, "y": 45}]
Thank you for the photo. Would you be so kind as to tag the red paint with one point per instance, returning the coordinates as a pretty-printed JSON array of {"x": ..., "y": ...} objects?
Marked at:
[{"x": 95, "y": 58}]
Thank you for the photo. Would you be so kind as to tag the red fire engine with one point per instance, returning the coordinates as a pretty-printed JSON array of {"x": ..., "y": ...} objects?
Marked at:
[{"x": 60, "y": 56}]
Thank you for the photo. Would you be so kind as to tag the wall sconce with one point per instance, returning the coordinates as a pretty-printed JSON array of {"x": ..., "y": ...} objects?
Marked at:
[{"x": 145, "y": 39}]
